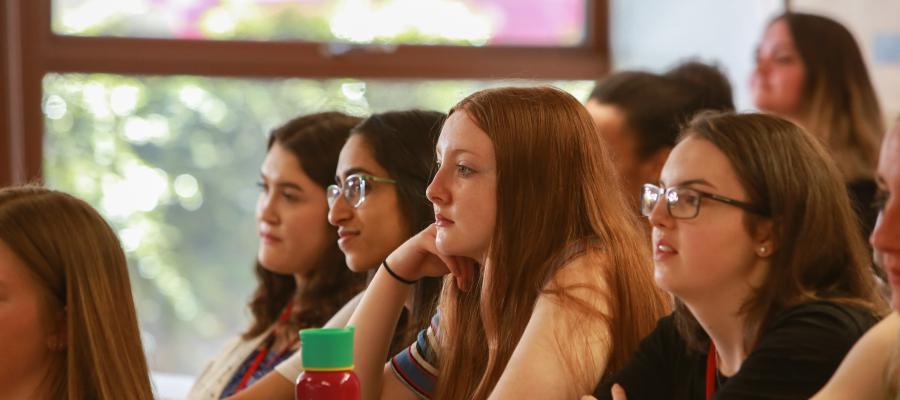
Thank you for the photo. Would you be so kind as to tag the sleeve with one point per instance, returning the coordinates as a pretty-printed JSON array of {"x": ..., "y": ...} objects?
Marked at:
[
  {"x": 292, "y": 367},
  {"x": 648, "y": 374},
  {"x": 416, "y": 366},
  {"x": 798, "y": 354}
]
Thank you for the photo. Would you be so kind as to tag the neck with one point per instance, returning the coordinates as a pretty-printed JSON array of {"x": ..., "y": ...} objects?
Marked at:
[
  {"x": 301, "y": 281},
  {"x": 722, "y": 320},
  {"x": 32, "y": 386}
]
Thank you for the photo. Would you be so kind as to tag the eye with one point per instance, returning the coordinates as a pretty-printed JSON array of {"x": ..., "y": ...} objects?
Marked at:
[
  {"x": 463, "y": 170},
  {"x": 881, "y": 199},
  {"x": 291, "y": 197}
]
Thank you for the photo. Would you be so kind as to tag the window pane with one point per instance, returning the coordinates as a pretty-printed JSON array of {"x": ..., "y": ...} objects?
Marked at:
[
  {"x": 172, "y": 163},
  {"x": 458, "y": 22}
]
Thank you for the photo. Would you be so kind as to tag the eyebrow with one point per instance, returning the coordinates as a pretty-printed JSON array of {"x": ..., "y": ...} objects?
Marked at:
[
  {"x": 457, "y": 151},
  {"x": 282, "y": 184},
  {"x": 699, "y": 181},
  {"x": 351, "y": 171}
]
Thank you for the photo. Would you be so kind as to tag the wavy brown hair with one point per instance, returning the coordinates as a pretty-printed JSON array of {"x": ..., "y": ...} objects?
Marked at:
[
  {"x": 79, "y": 265},
  {"x": 556, "y": 186},
  {"x": 838, "y": 101},
  {"x": 315, "y": 140},
  {"x": 789, "y": 175}
]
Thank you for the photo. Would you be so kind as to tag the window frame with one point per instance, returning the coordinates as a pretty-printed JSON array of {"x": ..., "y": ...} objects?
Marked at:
[{"x": 30, "y": 50}]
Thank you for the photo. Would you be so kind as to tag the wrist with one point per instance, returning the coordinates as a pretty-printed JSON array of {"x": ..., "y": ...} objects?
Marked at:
[{"x": 395, "y": 275}]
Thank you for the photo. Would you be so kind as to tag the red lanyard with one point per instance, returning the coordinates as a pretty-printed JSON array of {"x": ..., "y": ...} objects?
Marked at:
[
  {"x": 264, "y": 351},
  {"x": 711, "y": 371}
]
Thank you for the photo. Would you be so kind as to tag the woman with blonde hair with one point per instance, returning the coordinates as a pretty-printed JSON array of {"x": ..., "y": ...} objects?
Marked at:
[
  {"x": 872, "y": 369},
  {"x": 68, "y": 329},
  {"x": 544, "y": 262},
  {"x": 810, "y": 70}
]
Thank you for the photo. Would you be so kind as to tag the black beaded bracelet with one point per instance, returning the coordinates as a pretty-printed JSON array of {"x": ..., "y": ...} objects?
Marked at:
[{"x": 397, "y": 277}]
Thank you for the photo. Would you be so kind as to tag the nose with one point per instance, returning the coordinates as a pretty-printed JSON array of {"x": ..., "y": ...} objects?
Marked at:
[
  {"x": 659, "y": 214},
  {"x": 340, "y": 211},
  {"x": 266, "y": 209},
  {"x": 885, "y": 237},
  {"x": 437, "y": 192}
]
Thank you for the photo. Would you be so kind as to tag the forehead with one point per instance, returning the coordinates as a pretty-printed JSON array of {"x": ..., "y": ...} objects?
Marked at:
[
  {"x": 461, "y": 133},
  {"x": 280, "y": 161},
  {"x": 358, "y": 154},
  {"x": 778, "y": 34},
  {"x": 13, "y": 271},
  {"x": 696, "y": 158}
]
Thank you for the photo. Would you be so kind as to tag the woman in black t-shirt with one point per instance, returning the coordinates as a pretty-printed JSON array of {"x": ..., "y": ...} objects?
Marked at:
[{"x": 754, "y": 235}]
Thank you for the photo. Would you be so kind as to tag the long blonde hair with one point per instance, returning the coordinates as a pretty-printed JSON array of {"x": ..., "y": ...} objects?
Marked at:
[
  {"x": 78, "y": 262},
  {"x": 555, "y": 186}
]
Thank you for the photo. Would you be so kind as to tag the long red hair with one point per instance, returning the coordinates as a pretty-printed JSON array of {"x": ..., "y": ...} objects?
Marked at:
[{"x": 556, "y": 186}]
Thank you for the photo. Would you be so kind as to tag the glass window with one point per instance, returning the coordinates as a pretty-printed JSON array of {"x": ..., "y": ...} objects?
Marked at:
[
  {"x": 172, "y": 163},
  {"x": 457, "y": 22}
]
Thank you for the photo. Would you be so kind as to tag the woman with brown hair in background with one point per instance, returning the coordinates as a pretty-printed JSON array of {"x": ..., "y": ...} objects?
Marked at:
[
  {"x": 548, "y": 266},
  {"x": 810, "y": 70},
  {"x": 303, "y": 279},
  {"x": 68, "y": 329}
]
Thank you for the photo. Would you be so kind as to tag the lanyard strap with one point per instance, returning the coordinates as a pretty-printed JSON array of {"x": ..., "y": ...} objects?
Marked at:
[
  {"x": 264, "y": 350},
  {"x": 711, "y": 371}
]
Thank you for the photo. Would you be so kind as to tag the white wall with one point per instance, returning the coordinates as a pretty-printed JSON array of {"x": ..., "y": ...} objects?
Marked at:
[{"x": 656, "y": 34}]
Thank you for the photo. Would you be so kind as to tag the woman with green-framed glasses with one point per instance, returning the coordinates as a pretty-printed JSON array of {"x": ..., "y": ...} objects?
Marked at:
[
  {"x": 755, "y": 237},
  {"x": 377, "y": 201}
]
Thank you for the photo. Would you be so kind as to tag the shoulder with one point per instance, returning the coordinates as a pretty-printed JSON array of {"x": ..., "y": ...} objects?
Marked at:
[{"x": 827, "y": 316}]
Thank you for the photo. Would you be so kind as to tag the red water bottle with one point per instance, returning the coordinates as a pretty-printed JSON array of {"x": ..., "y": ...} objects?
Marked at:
[{"x": 327, "y": 355}]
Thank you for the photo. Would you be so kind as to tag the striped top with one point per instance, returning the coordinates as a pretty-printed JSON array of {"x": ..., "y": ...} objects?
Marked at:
[{"x": 416, "y": 366}]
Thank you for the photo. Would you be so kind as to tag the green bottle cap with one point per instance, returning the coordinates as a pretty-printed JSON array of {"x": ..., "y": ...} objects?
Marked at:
[{"x": 327, "y": 349}]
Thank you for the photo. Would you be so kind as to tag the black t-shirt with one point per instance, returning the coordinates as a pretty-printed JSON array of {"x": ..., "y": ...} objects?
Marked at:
[{"x": 793, "y": 358}]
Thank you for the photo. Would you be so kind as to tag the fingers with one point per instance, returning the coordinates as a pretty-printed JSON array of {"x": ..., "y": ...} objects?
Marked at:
[
  {"x": 588, "y": 397},
  {"x": 618, "y": 393}
]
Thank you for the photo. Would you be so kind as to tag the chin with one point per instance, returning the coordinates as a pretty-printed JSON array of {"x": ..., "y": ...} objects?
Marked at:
[{"x": 357, "y": 265}]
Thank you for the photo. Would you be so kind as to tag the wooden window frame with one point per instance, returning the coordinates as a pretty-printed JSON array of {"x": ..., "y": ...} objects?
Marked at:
[{"x": 30, "y": 50}]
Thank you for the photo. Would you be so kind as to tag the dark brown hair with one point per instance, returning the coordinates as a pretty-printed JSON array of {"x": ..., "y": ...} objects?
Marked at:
[
  {"x": 403, "y": 144},
  {"x": 818, "y": 252},
  {"x": 315, "y": 140},
  {"x": 556, "y": 186},
  {"x": 78, "y": 262},
  {"x": 838, "y": 100},
  {"x": 655, "y": 106}
]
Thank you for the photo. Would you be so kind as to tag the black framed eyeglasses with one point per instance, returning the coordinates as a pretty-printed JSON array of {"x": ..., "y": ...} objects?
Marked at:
[
  {"x": 684, "y": 202},
  {"x": 354, "y": 189}
]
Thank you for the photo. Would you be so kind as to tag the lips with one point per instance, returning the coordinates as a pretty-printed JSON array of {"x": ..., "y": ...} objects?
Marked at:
[
  {"x": 663, "y": 249},
  {"x": 345, "y": 235},
  {"x": 442, "y": 221},
  {"x": 269, "y": 238}
]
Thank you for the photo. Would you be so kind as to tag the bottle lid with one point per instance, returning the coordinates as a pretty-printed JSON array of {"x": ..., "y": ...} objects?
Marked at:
[{"x": 326, "y": 349}]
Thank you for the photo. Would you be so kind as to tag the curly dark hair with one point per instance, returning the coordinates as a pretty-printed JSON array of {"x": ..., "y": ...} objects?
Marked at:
[{"x": 316, "y": 141}]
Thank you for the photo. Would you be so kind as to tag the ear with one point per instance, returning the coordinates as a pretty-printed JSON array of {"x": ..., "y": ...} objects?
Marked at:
[
  {"x": 57, "y": 340},
  {"x": 764, "y": 238}
]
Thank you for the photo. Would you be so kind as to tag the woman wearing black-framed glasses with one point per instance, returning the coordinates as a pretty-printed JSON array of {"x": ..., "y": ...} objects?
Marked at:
[{"x": 755, "y": 237}]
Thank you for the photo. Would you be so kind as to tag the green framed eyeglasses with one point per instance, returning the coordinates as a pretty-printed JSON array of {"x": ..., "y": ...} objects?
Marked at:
[{"x": 354, "y": 189}]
